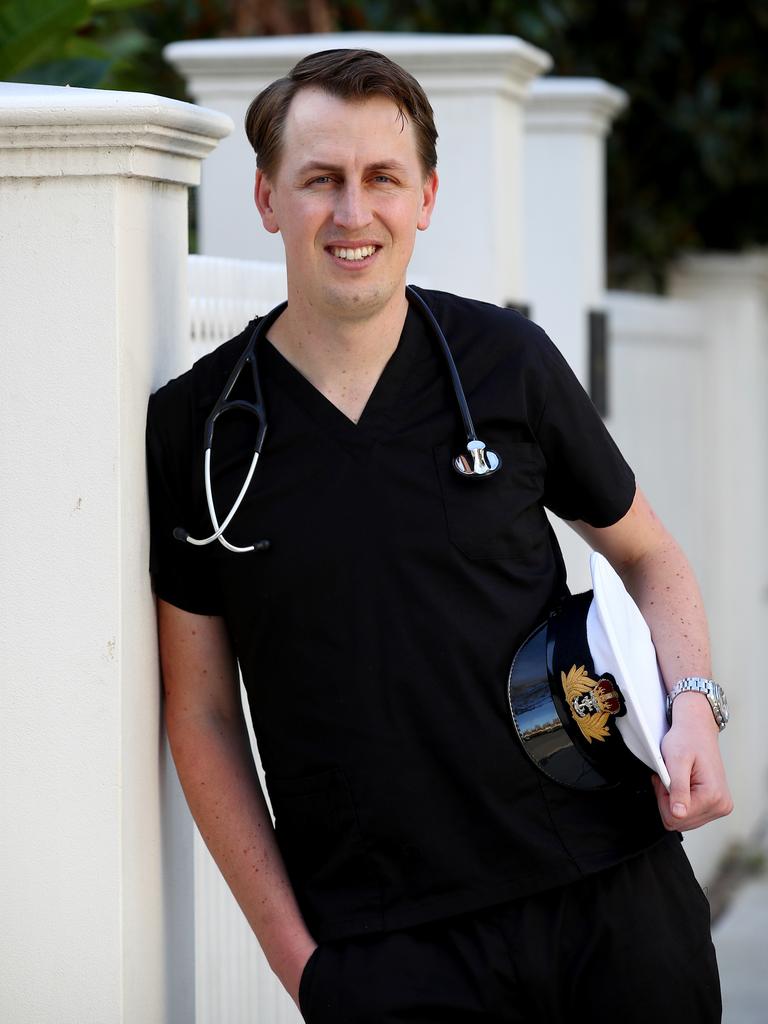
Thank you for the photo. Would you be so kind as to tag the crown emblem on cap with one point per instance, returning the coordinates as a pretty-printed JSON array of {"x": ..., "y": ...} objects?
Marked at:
[{"x": 591, "y": 702}]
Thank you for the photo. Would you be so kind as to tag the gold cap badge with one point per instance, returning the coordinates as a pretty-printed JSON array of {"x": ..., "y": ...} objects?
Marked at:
[{"x": 591, "y": 702}]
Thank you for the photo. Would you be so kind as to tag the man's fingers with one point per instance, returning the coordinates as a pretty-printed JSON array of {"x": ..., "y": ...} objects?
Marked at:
[
  {"x": 680, "y": 787},
  {"x": 675, "y": 806},
  {"x": 662, "y": 799}
]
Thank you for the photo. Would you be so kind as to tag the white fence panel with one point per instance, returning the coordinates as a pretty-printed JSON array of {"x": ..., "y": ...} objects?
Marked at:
[
  {"x": 658, "y": 409},
  {"x": 657, "y": 367},
  {"x": 234, "y": 983},
  {"x": 224, "y": 295}
]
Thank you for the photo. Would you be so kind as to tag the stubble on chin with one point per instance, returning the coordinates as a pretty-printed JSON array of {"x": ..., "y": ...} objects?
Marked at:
[{"x": 356, "y": 304}]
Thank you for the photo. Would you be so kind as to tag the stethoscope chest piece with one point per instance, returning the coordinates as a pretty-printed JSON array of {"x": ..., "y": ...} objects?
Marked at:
[{"x": 478, "y": 461}]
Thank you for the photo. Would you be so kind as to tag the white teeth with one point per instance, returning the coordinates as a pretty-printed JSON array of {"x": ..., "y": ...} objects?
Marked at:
[{"x": 354, "y": 254}]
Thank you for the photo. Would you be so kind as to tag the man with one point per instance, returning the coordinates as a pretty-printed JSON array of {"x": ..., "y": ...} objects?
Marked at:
[{"x": 422, "y": 868}]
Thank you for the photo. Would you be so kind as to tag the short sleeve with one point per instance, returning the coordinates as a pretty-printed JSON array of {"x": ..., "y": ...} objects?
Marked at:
[
  {"x": 587, "y": 477},
  {"x": 181, "y": 572}
]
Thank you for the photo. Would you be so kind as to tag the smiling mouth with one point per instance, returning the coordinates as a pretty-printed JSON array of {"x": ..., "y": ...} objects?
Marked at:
[{"x": 353, "y": 255}]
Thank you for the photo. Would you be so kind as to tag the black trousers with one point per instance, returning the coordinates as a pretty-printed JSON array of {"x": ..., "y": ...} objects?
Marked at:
[{"x": 629, "y": 944}]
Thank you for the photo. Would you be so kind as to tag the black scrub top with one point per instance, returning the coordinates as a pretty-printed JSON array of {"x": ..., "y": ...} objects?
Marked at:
[{"x": 376, "y": 633}]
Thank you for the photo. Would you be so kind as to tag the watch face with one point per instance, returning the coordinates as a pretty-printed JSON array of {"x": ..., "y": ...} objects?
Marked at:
[{"x": 722, "y": 701}]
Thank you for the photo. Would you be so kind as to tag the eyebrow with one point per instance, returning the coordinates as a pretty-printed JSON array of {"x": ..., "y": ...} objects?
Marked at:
[{"x": 383, "y": 165}]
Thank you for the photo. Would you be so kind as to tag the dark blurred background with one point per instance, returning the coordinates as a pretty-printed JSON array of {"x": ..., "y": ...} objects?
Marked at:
[{"x": 687, "y": 162}]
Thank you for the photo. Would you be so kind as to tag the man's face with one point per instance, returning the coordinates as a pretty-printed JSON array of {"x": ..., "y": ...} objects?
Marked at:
[{"x": 347, "y": 197}]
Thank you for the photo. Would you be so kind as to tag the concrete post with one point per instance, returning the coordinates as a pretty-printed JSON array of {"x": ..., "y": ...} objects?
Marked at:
[
  {"x": 731, "y": 293},
  {"x": 476, "y": 85},
  {"x": 566, "y": 121},
  {"x": 95, "y": 856}
]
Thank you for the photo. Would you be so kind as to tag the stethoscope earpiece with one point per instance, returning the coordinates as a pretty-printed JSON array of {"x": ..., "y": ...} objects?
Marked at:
[{"x": 480, "y": 463}]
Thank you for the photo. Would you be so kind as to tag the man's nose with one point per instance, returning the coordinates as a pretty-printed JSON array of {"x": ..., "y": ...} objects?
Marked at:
[{"x": 353, "y": 209}]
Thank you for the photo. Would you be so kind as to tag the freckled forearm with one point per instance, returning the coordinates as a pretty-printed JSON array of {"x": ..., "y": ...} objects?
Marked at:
[
  {"x": 216, "y": 769},
  {"x": 664, "y": 587}
]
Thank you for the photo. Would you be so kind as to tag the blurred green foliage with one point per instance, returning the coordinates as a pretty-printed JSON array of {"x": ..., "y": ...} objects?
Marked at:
[
  {"x": 68, "y": 42},
  {"x": 687, "y": 162}
]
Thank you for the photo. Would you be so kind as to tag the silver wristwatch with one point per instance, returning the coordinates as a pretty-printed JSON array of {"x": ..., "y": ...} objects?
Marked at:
[{"x": 714, "y": 694}]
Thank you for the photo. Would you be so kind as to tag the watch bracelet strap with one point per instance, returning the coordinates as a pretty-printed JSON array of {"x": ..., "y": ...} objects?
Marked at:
[{"x": 694, "y": 684}]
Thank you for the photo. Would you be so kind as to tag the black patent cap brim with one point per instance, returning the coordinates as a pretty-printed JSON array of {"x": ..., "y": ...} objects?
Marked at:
[{"x": 541, "y": 725}]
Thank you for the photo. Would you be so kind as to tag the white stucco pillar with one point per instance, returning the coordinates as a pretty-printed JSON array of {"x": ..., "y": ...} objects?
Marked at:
[
  {"x": 731, "y": 291},
  {"x": 95, "y": 854},
  {"x": 476, "y": 85},
  {"x": 566, "y": 122}
]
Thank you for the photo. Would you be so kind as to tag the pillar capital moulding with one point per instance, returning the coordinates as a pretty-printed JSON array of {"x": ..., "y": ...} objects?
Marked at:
[
  {"x": 584, "y": 105},
  {"x": 450, "y": 63},
  {"x": 54, "y": 131}
]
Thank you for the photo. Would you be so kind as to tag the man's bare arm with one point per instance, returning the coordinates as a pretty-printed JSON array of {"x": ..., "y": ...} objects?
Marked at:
[
  {"x": 210, "y": 746},
  {"x": 660, "y": 579}
]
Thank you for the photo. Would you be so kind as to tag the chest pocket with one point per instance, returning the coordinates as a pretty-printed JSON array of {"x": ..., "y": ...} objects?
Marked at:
[{"x": 501, "y": 516}]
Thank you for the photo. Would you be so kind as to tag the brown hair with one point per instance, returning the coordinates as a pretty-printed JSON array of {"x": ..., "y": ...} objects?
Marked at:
[{"x": 349, "y": 75}]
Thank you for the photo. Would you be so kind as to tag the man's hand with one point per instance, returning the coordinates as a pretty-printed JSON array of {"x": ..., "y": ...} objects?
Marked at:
[
  {"x": 291, "y": 969},
  {"x": 699, "y": 791}
]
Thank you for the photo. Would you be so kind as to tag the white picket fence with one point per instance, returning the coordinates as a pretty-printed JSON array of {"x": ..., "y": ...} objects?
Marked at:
[
  {"x": 224, "y": 294},
  {"x": 233, "y": 981}
]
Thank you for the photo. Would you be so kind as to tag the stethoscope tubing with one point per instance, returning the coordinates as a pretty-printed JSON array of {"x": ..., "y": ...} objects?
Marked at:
[
  {"x": 481, "y": 463},
  {"x": 416, "y": 299}
]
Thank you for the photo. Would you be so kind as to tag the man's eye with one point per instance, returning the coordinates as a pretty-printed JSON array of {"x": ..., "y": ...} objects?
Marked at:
[{"x": 321, "y": 179}]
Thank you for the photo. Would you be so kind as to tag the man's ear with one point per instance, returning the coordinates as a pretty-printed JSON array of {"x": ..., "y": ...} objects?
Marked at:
[
  {"x": 428, "y": 197},
  {"x": 262, "y": 194}
]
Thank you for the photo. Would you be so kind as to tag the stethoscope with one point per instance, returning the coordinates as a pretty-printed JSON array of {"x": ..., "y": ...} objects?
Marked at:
[{"x": 477, "y": 462}]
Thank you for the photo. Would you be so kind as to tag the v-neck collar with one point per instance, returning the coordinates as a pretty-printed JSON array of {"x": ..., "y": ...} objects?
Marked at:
[{"x": 376, "y": 418}]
